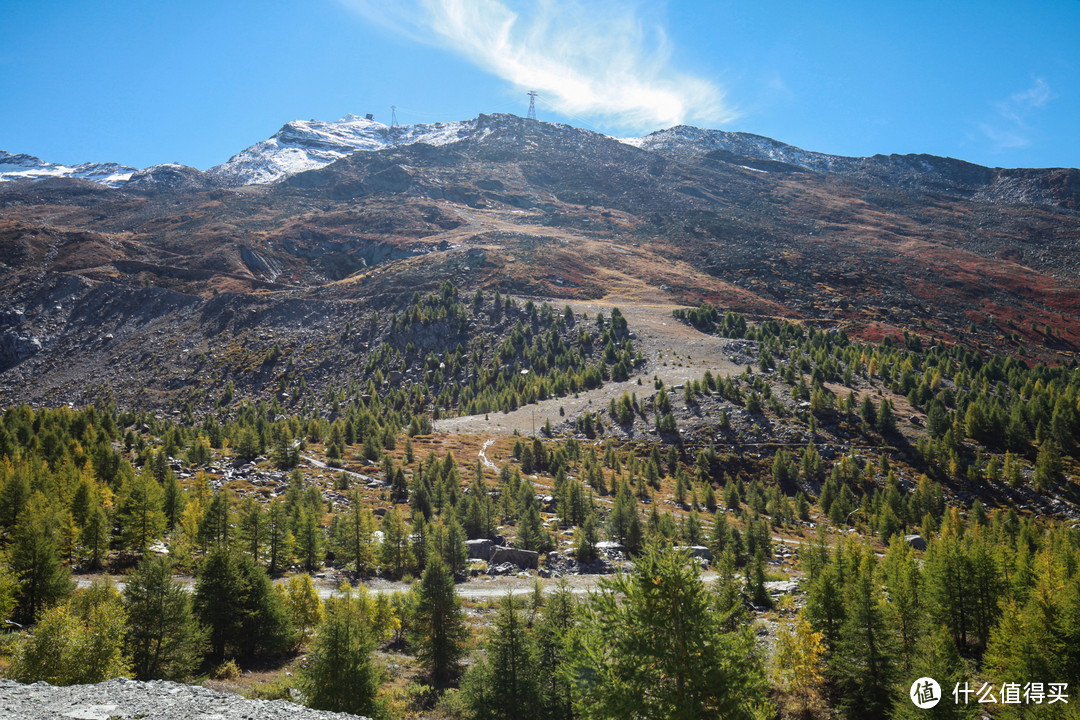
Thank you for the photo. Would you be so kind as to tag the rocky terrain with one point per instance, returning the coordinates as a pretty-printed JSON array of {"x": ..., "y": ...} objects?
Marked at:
[
  {"x": 541, "y": 333},
  {"x": 129, "y": 292},
  {"x": 128, "y": 700}
]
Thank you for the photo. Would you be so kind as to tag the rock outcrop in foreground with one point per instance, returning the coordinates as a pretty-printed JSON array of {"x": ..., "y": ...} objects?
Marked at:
[{"x": 130, "y": 699}]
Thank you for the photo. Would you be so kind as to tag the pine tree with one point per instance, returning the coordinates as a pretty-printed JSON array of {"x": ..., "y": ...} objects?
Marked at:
[
  {"x": 242, "y": 612},
  {"x": 651, "y": 644},
  {"x": 35, "y": 560},
  {"x": 340, "y": 674},
  {"x": 163, "y": 638},
  {"x": 140, "y": 515},
  {"x": 862, "y": 663},
  {"x": 439, "y": 631}
]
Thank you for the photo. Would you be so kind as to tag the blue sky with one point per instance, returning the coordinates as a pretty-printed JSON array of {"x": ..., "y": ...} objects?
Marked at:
[{"x": 136, "y": 82}]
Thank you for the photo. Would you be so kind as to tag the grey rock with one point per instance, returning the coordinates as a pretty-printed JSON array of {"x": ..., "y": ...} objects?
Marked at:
[
  {"x": 697, "y": 551},
  {"x": 781, "y": 587},
  {"x": 918, "y": 542},
  {"x": 158, "y": 699},
  {"x": 514, "y": 556},
  {"x": 480, "y": 549}
]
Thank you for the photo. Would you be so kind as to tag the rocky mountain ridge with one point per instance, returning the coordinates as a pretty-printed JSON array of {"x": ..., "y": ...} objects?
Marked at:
[
  {"x": 130, "y": 292},
  {"x": 930, "y": 173},
  {"x": 303, "y": 145},
  {"x": 27, "y": 167}
]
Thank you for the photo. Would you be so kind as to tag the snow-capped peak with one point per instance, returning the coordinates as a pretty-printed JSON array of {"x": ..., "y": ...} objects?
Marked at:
[
  {"x": 688, "y": 140},
  {"x": 298, "y": 146},
  {"x": 310, "y": 144},
  {"x": 28, "y": 167}
]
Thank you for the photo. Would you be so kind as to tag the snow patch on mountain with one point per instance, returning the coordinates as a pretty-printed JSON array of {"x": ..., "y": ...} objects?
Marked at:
[
  {"x": 684, "y": 140},
  {"x": 28, "y": 167},
  {"x": 311, "y": 144}
]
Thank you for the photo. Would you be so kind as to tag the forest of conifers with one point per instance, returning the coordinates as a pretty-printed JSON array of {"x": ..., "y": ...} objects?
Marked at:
[{"x": 185, "y": 576}]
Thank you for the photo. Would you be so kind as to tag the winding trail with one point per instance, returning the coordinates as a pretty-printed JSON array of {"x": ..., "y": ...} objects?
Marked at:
[{"x": 483, "y": 455}]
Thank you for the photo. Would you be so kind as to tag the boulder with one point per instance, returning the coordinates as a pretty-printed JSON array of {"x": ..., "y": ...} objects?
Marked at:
[
  {"x": 918, "y": 542},
  {"x": 480, "y": 549},
  {"x": 781, "y": 587},
  {"x": 610, "y": 546},
  {"x": 521, "y": 558},
  {"x": 697, "y": 551}
]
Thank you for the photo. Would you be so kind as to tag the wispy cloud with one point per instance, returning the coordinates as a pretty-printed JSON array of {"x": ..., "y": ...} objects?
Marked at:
[
  {"x": 595, "y": 58},
  {"x": 1011, "y": 126}
]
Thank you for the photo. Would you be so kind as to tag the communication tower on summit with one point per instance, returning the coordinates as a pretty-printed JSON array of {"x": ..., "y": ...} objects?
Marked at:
[
  {"x": 532, "y": 104},
  {"x": 393, "y": 116}
]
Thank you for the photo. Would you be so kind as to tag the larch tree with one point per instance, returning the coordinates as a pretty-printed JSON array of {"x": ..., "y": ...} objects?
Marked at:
[
  {"x": 163, "y": 637},
  {"x": 35, "y": 560},
  {"x": 504, "y": 683},
  {"x": 340, "y": 674},
  {"x": 649, "y": 644},
  {"x": 863, "y": 662},
  {"x": 439, "y": 631},
  {"x": 799, "y": 662},
  {"x": 139, "y": 513}
]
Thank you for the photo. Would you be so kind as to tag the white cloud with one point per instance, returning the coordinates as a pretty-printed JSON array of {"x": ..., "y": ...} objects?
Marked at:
[
  {"x": 1011, "y": 128},
  {"x": 597, "y": 58}
]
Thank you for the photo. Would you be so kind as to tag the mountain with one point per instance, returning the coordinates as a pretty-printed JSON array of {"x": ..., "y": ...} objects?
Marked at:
[
  {"x": 28, "y": 167},
  {"x": 303, "y": 145},
  {"x": 133, "y": 292},
  {"x": 1052, "y": 186},
  {"x": 309, "y": 144},
  {"x": 170, "y": 176}
]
